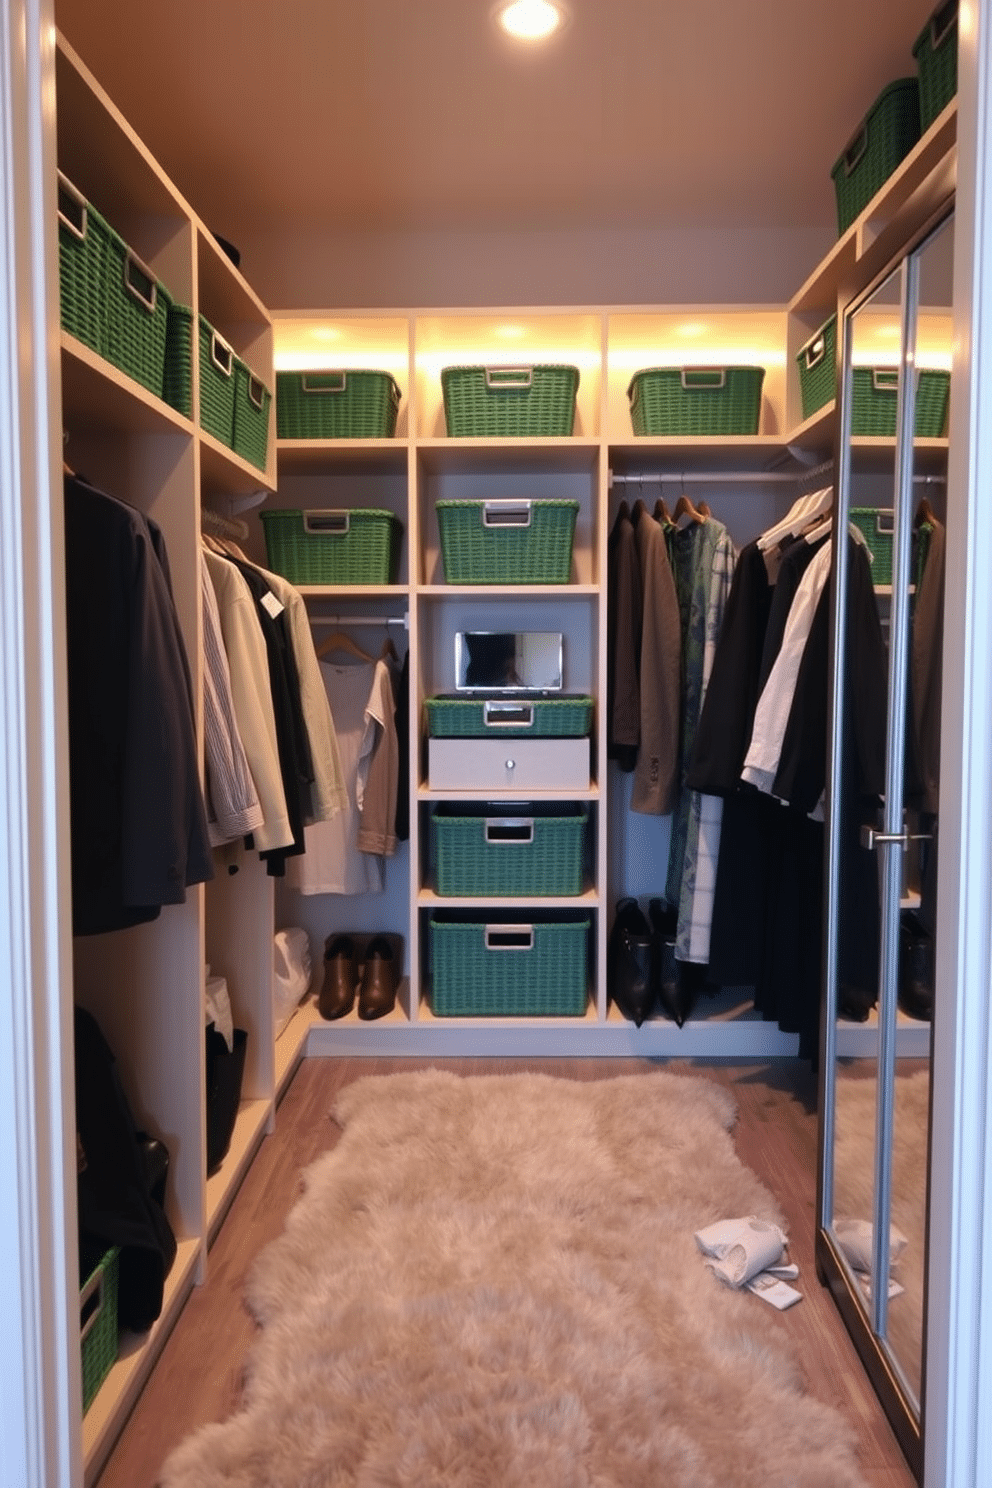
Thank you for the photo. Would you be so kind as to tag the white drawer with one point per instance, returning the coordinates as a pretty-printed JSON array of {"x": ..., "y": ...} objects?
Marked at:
[{"x": 508, "y": 764}]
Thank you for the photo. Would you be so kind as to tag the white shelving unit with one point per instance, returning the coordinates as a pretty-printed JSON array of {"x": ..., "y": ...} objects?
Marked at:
[{"x": 145, "y": 986}]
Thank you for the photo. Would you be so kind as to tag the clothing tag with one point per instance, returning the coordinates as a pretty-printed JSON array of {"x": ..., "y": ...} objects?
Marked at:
[{"x": 271, "y": 605}]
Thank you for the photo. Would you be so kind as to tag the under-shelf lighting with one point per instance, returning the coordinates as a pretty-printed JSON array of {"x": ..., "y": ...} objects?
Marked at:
[{"x": 530, "y": 20}]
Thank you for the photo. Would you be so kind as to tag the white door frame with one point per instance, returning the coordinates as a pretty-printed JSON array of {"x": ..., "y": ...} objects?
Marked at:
[{"x": 39, "y": 1360}]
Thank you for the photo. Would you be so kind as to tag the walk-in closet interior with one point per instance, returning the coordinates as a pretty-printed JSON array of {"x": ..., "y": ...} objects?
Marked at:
[{"x": 671, "y": 236}]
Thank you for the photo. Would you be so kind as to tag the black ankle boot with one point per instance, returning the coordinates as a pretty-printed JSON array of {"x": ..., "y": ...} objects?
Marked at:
[
  {"x": 915, "y": 996},
  {"x": 629, "y": 971}
]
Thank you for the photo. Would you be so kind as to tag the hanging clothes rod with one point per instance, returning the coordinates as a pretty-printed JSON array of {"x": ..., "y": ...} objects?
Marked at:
[
  {"x": 714, "y": 477},
  {"x": 403, "y": 620}
]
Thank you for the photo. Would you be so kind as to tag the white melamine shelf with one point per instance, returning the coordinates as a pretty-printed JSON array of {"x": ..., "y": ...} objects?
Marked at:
[
  {"x": 292, "y": 1041},
  {"x": 567, "y": 455},
  {"x": 428, "y": 898},
  {"x": 369, "y": 456},
  {"x": 331, "y": 592},
  {"x": 225, "y": 471},
  {"x": 137, "y": 1354},
  {"x": 249, "y": 1127},
  {"x": 103, "y": 399},
  {"x": 425, "y": 793},
  {"x": 507, "y": 592}
]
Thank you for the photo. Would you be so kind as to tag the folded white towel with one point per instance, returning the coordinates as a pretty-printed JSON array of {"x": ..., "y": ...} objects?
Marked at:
[{"x": 741, "y": 1248}]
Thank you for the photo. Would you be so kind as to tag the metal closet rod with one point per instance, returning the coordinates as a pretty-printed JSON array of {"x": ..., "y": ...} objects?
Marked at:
[
  {"x": 714, "y": 477},
  {"x": 403, "y": 620}
]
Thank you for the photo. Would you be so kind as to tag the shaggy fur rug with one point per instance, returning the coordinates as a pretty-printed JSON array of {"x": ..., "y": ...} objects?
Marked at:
[
  {"x": 492, "y": 1282},
  {"x": 854, "y": 1190}
]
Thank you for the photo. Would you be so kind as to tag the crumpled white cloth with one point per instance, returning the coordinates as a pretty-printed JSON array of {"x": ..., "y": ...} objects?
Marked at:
[{"x": 739, "y": 1249}]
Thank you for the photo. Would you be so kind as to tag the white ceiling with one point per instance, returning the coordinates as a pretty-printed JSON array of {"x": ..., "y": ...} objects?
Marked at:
[{"x": 396, "y": 115}]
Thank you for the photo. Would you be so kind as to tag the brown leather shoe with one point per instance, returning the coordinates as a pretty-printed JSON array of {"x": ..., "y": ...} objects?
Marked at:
[
  {"x": 337, "y": 995},
  {"x": 377, "y": 994}
]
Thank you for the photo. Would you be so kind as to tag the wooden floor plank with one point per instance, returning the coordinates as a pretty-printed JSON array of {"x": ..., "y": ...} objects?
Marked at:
[{"x": 198, "y": 1376}]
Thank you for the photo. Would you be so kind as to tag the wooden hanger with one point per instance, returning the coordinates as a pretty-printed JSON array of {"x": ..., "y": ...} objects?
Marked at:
[
  {"x": 661, "y": 512},
  {"x": 704, "y": 510},
  {"x": 685, "y": 508},
  {"x": 389, "y": 651},
  {"x": 924, "y": 513},
  {"x": 339, "y": 640}
]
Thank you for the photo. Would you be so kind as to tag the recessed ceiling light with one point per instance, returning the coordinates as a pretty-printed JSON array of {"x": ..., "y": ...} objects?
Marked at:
[{"x": 530, "y": 20}]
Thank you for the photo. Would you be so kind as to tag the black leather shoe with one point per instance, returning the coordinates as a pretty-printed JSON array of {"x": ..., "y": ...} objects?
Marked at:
[
  {"x": 629, "y": 971},
  {"x": 337, "y": 995},
  {"x": 676, "y": 984},
  {"x": 377, "y": 994}
]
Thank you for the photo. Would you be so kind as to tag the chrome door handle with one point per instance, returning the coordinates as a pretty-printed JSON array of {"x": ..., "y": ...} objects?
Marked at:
[{"x": 872, "y": 839}]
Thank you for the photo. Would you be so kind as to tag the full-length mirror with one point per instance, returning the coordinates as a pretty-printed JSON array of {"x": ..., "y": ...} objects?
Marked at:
[{"x": 882, "y": 819}]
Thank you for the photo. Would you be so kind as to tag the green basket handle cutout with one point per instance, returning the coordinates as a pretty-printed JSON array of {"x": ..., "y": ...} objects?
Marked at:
[
  {"x": 942, "y": 22},
  {"x": 139, "y": 281},
  {"x": 885, "y": 380},
  {"x": 329, "y": 523},
  {"x": 510, "y": 829},
  {"x": 500, "y": 378},
  {"x": 73, "y": 212},
  {"x": 704, "y": 379},
  {"x": 509, "y": 937},
  {"x": 256, "y": 391},
  {"x": 885, "y": 521},
  {"x": 496, "y": 714},
  {"x": 91, "y": 1304},
  {"x": 324, "y": 382},
  {"x": 221, "y": 354},
  {"x": 814, "y": 352},
  {"x": 856, "y": 150},
  {"x": 506, "y": 513}
]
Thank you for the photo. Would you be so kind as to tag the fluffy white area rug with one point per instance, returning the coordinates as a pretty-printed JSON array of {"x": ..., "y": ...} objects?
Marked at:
[
  {"x": 854, "y": 1190},
  {"x": 492, "y": 1282}
]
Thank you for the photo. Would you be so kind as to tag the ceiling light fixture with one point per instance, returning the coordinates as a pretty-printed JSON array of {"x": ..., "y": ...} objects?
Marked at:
[{"x": 531, "y": 20}]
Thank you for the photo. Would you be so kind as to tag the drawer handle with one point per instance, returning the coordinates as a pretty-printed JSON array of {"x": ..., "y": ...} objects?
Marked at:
[
  {"x": 330, "y": 523},
  {"x": 139, "y": 281},
  {"x": 505, "y": 829},
  {"x": 324, "y": 382},
  {"x": 221, "y": 355},
  {"x": 506, "y": 513},
  {"x": 509, "y": 937},
  {"x": 509, "y": 377},
  {"x": 498, "y": 715},
  {"x": 704, "y": 379},
  {"x": 73, "y": 213}
]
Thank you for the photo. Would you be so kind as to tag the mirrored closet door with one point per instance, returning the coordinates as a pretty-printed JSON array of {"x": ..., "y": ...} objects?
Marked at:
[{"x": 882, "y": 817}]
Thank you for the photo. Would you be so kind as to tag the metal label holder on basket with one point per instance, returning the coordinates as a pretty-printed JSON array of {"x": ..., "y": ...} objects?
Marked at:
[
  {"x": 69, "y": 200},
  {"x": 704, "y": 379},
  {"x": 505, "y": 512},
  {"x": 497, "y": 714},
  {"x": 509, "y": 831},
  {"x": 221, "y": 354},
  {"x": 308, "y": 386},
  {"x": 332, "y": 522},
  {"x": 509, "y": 379},
  {"x": 509, "y": 937},
  {"x": 147, "y": 299}
]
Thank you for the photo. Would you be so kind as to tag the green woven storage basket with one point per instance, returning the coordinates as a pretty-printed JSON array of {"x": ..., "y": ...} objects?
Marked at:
[
  {"x": 874, "y": 400},
  {"x": 137, "y": 317},
  {"x": 251, "y": 415},
  {"x": 360, "y": 545},
  {"x": 98, "y": 1324},
  {"x": 84, "y": 242},
  {"x": 216, "y": 384},
  {"x": 348, "y": 404},
  {"x": 818, "y": 369},
  {"x": 936, "y": 53},
  {"x": 508, "y": 969},
  {"x": 876, "y": 525},
  {"x": 884, "y": 138},
  {"x": 696, "y": 400},
  {"x": 516, "y": 718},
  {"x": 506, "y": 541},
  {"x": 533, "y": 401},
  {"x": 509, "y": 851},
  {"x": 177, "y": 382}
]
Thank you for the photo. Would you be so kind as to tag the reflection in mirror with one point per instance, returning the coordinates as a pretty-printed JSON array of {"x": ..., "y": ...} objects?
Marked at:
[
  {"x": 880, "y": 1189},
  {"x": 508, "y": 661}
]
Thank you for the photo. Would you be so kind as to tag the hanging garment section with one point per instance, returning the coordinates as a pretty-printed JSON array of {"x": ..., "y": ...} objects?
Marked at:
[
  {"x": 138, "y": 824},
  {"x": 273, "y": 763},
  {"x": 745, "y": 638}
]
